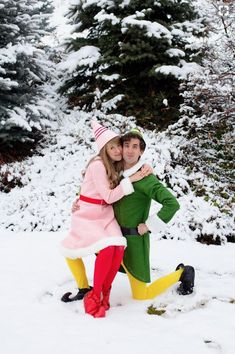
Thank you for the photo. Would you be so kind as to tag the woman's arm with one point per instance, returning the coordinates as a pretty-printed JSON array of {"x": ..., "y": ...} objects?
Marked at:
[
  {"x": 101, "y": 182},
  {"x": 102, "y": 186}
]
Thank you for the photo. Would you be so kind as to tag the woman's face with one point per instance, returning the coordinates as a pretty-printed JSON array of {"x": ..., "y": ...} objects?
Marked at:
[{"x": 114, "y": 150}]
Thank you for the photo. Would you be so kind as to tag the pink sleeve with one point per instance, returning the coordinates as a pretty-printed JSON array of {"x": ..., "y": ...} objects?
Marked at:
[{"x": 101, "y": 183}]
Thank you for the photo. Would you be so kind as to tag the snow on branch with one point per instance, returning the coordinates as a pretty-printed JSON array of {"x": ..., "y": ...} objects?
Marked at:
[
  {"x": 103, "y": 16},
  {"x": 110, "y": 104},
  {"x": 18, "y": 119},
  {"x": 87, "y": 56},
  {"x": 153, "y": 29},
  {"x": 7, "y": 84},
  {"x": 175, "y": 52},
  {"x": 179, "y": 72}
]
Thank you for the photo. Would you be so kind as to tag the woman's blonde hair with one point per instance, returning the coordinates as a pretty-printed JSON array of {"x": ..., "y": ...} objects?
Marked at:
[{"x": 113, "y": 168}]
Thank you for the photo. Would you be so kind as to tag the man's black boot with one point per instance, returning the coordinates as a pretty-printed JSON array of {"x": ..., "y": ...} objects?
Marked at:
[
  {"x": 187, "y": 279},
  {"x": 80, "y": 295}
]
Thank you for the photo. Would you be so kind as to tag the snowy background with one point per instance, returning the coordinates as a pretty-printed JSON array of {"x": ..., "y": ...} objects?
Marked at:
[
  {"x": 46, "y": 184},
  {"x": 36, "y": 216},
  {"x": 52, "y": 178}
]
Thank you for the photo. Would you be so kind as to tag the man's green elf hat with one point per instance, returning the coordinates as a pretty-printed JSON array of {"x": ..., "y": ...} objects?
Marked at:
[{"x": 136, "y": 131}]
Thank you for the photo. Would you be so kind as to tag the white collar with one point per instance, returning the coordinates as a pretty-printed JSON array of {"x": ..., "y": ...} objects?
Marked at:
[{"x": 133, "y": 169}]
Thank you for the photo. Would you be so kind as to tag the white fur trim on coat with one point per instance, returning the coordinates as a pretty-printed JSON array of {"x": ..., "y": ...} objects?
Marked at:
[
  {"x": 155, "y": 224},
  {"x": 94, "y": 248},
  {"x": 126, "y": 186},
  {"x": 133, "y": 169}
]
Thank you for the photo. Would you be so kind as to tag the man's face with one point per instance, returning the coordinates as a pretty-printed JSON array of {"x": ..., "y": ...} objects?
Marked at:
[{"x": 131, "y": 151}]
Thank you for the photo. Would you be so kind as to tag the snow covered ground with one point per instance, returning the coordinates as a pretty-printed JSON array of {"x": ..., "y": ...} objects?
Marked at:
[{"x": 33, "y": 320}]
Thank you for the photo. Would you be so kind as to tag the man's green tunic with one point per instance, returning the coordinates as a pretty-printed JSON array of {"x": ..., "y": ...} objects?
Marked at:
[{"x": 132, "y": 210}]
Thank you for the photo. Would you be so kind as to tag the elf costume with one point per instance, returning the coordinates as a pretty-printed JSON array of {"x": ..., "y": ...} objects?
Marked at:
[
  {"x": 132, "y": 210},
  {"x": 94, "y": 229}
]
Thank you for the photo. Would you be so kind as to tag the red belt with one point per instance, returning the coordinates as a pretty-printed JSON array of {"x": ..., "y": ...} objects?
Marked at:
[{"x": 92, "y": 200}]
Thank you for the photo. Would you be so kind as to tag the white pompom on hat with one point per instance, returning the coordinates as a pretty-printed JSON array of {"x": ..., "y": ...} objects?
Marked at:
[{"x": 102, "y": 134}]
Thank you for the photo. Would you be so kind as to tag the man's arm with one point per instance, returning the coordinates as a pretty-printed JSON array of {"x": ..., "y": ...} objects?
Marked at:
[{"x": 155, "y": 190}]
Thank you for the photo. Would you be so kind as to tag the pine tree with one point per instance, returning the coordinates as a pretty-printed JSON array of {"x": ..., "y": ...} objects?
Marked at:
[
  {"x": 207, "y": 123},
  {"x": 131, "y": 55},
  {"x": 24, "y": 69}
]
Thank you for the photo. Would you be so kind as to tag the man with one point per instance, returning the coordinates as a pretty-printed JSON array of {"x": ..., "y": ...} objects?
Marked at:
[{"x": 132, "y": 214}]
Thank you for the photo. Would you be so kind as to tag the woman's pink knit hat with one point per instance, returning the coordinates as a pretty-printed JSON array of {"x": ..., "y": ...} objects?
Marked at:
[{"x": 102, "y": 134}]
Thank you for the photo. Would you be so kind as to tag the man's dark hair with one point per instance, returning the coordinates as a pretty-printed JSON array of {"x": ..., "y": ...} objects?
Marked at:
[{"x": 131, "y": 135}]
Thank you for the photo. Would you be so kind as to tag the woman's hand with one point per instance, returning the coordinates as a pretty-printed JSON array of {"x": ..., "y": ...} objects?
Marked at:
[
  {"x": 75, "y": 205},
  {"x": 147, "y": 169},
  {"x": 137, "y": 176}
]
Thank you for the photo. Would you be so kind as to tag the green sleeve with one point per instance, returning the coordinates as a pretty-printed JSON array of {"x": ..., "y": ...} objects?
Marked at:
[{"x": 155, "y": 190}]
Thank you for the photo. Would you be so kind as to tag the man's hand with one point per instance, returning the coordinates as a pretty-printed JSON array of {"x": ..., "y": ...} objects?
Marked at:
[
  {"x": 75, "y": 205},
  {"x": 142, "y": 229}
]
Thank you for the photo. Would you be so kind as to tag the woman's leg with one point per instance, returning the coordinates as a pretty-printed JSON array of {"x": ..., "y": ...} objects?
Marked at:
[
  {"x": 117, "y": 259},
  {"x": 92, "y": 300},
  {"x": 116, "y": 262},
  {"x": 103, "y": 264},
  {"x": 77, "y": 268},
  {"x": 143, "y": 291}
]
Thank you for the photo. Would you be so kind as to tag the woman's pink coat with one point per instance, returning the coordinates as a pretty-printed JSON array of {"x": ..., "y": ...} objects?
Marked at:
[{"x": 93, "y": 226}]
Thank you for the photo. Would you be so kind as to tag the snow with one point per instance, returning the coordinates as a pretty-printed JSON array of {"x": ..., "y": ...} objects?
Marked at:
[
  {"x": 108, "y": 105},
  {"x": 165, "y": 102},
  {"x": 59, "y": 21},
  {"x": 7, "y": 84},
  {"x": 152, "y": 28},
  {"x": 87, "y": 55},
  {"x": 125, "y": 3},
  {"x": 100, "y": 3},
  {"x": 112, "y": 77},
  {"x": 174, "y": 52},
  {"x": 102, "y": 16},
  {"x": 33, "y": 319},
  {"x": 18, "y": 118},
  {"x": 180, "y": 72}
]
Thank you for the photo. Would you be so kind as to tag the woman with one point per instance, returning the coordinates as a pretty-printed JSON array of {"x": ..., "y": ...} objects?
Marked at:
[{"x": 94, "y": 228}]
